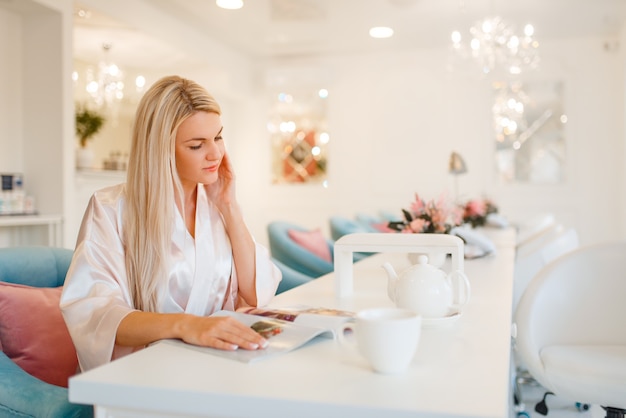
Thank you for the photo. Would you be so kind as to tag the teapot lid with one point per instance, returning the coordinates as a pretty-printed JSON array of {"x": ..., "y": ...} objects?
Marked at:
[{"x": 422, "y": 266}]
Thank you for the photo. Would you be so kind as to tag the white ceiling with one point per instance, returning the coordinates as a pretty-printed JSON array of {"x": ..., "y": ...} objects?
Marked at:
[{"x": 283, "y": 28}]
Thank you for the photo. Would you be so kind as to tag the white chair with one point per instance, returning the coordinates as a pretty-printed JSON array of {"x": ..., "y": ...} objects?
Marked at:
[
  {"x": 533, "y": 227},
  {"x": 531, "y": 257},
  {"x": 570, "y": 327},
  {"x": 537, "y": 253}
]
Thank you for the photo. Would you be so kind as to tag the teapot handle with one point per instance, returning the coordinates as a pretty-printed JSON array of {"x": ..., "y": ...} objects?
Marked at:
[{"x": 461, "y": 289}]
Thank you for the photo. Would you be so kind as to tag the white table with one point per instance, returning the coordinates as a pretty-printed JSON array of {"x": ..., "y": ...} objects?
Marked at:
[{"x": 460, "y": 370}]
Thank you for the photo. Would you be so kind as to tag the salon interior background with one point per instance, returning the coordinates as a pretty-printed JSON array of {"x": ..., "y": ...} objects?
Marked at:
[{"x": 394, "y": 115}]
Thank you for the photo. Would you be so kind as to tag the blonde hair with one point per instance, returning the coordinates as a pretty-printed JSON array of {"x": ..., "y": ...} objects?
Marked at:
[{"x": 153, "y": 186}]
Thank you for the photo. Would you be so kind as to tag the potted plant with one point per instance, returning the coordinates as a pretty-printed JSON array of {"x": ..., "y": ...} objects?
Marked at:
[{"x": 88, "y": 123}]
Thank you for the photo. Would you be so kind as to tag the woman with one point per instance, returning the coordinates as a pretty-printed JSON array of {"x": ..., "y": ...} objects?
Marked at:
[{"x": 157, "y": 255}]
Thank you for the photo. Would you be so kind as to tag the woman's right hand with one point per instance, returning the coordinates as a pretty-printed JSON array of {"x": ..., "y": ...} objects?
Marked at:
[
  {"x": 139, "y": 329},
  {"x": 221, "y": 332}
]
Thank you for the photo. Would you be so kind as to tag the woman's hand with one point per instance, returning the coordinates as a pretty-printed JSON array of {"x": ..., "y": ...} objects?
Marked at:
[
  {"x": 222, "y": 192},
  {"x": 224, "y": 333}
]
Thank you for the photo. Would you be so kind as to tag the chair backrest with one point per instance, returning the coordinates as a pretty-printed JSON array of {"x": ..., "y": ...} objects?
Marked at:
[
  {"x": 386, "y": 215},
  {"x": 287, "y": 251},
  {"x": 534, "y": 256},
  {"x": 534, "y": 227},
  {"x": 368, "y": 221},
  {"x": 291, "y": 278},
  {"x": 576, "y": 299},
  {"x": 35, "y": 266},
  {"x": 340, "y": 226}
]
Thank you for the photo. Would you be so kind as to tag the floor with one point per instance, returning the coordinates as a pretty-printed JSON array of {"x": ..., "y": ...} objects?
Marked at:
[{"x": 557, "y": 407}]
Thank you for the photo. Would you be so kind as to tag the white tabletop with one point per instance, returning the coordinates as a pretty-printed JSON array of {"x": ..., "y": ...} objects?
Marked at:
[{"x": 460, "y": 369}]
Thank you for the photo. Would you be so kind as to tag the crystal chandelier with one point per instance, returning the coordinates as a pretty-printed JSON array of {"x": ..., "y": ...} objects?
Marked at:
[
  {"x": 509, "y": 120},
  {"x": 495, "y": 45},
  {"x": 106, "y": 87}
]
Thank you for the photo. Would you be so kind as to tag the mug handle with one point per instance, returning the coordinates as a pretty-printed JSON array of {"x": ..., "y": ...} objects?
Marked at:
[
  {"x": 462, "y": 292},
  {"x": 340, "y": 334}
]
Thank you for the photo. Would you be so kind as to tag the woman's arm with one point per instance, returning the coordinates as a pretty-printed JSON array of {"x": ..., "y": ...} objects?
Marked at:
[
  {"x": 244, "y": 254},
  {"x": 222, "y": 194},
  {"x": 96, "y": 302},
  {"x": 225, "y": 333}
]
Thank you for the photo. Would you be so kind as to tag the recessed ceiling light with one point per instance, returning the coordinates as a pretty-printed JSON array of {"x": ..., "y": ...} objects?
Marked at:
[
  {"x": 381, "y": 32},
  {"x": 229, "y": 4}
]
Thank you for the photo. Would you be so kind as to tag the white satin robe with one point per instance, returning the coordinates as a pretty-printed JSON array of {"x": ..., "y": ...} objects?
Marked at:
[{"x": 202, "y": 278}]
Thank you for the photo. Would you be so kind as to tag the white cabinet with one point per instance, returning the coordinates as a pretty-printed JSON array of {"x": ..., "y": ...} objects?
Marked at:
[{"x": 31, "y": 230}]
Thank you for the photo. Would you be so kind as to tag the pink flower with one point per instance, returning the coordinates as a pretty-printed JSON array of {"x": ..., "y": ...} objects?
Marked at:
[
  {"x": 475, "y": 211},
  {"x": 476, "y": 208},
  {"x": 417, "y": 207},
  {"x": 433, "y": 216},
  {"x": 417, "y": 225}
]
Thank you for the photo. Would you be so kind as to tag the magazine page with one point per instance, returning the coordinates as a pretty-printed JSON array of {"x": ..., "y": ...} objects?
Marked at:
[
  {"x": 282, "y": 336},
  {"x": 325, "y": 318}
]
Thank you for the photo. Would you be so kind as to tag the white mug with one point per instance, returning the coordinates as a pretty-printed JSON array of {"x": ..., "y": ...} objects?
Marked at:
[{"x": 386, "y": 337}]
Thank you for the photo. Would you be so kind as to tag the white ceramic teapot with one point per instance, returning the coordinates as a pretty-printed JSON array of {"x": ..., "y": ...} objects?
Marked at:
[{"x": 428, "y": 290}]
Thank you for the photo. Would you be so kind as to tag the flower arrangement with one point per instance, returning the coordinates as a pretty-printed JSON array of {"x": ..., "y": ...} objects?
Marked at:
[
  {"x": 435, "y": 217},
  {"x": 476, "y": 211}
]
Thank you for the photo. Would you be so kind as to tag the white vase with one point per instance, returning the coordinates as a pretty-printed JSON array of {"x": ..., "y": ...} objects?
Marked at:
[
  {"x": 84, "y": 157},
  {"x": 436, "y": 259}
]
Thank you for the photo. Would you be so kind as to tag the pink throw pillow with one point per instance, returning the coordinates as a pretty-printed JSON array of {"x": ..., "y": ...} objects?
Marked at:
[
  {"x": 33, "y": 333},
  {"x": 313, "y": 241},
  {"x": 382, "y": 227}
]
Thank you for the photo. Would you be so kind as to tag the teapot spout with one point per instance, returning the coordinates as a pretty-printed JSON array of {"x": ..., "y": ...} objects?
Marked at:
[{"x": 391, "y": 281}]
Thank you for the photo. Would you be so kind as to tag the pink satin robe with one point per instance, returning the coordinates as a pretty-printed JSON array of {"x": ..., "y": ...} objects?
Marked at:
[{"x": 96, "y": 296}]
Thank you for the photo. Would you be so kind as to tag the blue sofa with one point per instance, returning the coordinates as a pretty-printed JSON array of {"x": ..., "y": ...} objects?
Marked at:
[{"x": 21, "y": 394}]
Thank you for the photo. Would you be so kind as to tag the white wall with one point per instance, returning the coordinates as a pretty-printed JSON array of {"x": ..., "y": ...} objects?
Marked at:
[
  {"x": 622, "y": 50},
  {"x": 36, "y": 101},
  {"x": 10, "y": 98},
  {"x": 395, "y": 118}
]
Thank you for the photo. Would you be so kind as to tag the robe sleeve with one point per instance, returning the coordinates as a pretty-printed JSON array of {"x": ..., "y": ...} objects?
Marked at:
[
  {"x": 268, "y": 276},
  {"x": 95, "y": 295}
]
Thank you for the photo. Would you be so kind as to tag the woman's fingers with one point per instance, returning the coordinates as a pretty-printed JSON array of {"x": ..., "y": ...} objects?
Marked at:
[
  {"x": 225, "y": 333},
  {"x": 234, "y": 332}
]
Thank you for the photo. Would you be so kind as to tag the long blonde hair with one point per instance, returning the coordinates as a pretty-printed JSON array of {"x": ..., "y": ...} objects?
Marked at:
[{"x": 153, "y": 186}]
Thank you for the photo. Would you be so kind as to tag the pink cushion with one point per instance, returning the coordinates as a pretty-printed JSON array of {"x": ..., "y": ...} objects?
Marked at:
[
  {"x": 382, "y": 227},
  {"x": 33, "y": 333},
  {"x": 313, "y": 241}
]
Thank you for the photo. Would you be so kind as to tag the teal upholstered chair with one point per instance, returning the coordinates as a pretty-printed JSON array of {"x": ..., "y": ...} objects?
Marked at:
[
  {"x": 340, "y": 226},
  {"x": 284, "y": 249},
  {"x": 291, "y": 278},
  {"x": 21, "y": 394},
  {"x": 368, "y": 221}
]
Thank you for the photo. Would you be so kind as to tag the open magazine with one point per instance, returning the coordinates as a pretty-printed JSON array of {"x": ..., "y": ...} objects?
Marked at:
[{"x": 284, "y": 328}]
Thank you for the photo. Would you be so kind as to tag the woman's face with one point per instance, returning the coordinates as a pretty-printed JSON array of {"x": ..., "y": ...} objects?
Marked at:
[{"x": 199, "y": 149}]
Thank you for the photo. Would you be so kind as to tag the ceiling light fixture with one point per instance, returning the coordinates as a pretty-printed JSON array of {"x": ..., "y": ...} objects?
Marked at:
[
  {"x": 495, "y": 45},
  {"x": 106, "y": 86},
  {"x": 229, "y": 4},
  {"x": 380, "y": 32}
]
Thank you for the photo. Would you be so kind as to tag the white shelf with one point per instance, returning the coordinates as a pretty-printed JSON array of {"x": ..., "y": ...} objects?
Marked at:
[{"x": 54, "y": 223}]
